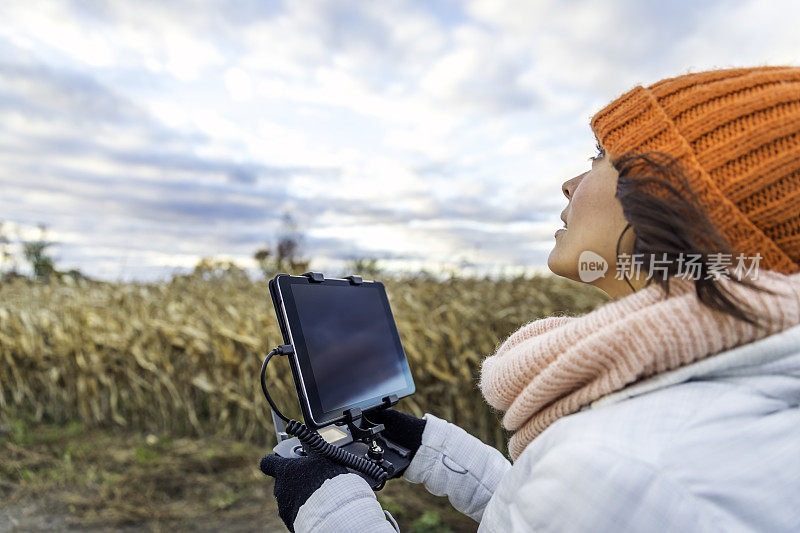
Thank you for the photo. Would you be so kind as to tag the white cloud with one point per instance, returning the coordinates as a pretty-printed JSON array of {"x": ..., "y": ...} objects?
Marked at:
[{"x": 239, "y": 84}]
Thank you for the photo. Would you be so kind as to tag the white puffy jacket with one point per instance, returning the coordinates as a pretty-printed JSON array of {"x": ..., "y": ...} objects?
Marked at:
[{"x": 713, "y": 446}]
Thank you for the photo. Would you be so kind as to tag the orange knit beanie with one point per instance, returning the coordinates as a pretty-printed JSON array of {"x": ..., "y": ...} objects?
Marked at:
[{"x": 736, "y": 132}]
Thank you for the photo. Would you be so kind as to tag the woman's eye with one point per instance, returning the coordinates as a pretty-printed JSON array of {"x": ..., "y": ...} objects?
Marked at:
[{"x": 600, "y": 153}]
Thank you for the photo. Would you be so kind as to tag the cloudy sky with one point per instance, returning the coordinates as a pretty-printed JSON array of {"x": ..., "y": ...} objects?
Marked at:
[{"x": 146, "y": 135}]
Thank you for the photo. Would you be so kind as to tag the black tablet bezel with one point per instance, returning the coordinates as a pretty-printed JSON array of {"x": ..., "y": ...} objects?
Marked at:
[{"x": 303, "y": 374}]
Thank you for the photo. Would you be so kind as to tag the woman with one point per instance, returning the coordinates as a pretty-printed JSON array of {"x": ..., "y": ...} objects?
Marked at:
[{"x": 673, "y": 407}]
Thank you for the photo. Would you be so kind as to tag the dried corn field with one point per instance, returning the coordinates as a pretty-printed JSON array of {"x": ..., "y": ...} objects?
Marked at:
[{"x": 182, "y": 357}]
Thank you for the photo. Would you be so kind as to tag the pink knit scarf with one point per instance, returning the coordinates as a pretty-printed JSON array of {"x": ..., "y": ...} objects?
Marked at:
[{"x": 553, "y": 367}]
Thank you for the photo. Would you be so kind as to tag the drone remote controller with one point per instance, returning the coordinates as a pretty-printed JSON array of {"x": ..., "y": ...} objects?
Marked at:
[{"x": 370, "y": 445}]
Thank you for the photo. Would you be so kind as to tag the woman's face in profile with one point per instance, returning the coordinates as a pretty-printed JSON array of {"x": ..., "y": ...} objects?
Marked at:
[{"x": 594, "y": 222}]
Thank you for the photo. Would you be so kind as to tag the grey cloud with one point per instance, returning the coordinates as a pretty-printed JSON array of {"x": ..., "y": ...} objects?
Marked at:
[
  {"x": 39, "y": 91},
  {"x": 68, "y": 100}
]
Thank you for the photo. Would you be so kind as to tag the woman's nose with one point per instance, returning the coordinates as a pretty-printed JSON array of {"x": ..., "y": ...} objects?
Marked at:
[{"x": 569, "y": 186}]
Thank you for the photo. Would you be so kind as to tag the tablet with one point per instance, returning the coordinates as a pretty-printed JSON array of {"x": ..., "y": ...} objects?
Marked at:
[{"x": 347, "y": 351}]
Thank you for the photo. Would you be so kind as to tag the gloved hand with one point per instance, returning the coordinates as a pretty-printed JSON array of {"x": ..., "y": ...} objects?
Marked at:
[
  {"x": 404, "y": 429},
  {"x": 296, "y": 480}
]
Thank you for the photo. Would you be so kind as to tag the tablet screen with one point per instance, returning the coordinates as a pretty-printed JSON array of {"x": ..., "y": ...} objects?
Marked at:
[{"x": 346, "y": 336}]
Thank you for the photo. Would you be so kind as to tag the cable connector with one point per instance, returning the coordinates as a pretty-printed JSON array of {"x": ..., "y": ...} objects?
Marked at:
[{"x": 285, "y": 349}]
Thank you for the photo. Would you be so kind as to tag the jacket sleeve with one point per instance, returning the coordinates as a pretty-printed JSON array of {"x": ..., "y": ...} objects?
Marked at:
[
  {"x": 453, "y": 463},
  {"x": 584, "y": 486}
]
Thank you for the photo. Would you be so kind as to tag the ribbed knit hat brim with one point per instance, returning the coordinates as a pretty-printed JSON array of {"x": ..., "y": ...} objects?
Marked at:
[{"x": 736, "y": 133}]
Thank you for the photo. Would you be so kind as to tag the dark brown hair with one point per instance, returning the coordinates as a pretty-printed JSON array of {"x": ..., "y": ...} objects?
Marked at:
[{"x": 666, "y": 218}]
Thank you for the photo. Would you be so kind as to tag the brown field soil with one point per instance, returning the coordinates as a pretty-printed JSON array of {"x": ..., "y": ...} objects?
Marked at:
[{"x": 67, "y": 478}]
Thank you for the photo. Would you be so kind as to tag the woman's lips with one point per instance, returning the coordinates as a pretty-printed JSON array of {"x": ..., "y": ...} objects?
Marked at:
[{"x": 559, "y": 231}]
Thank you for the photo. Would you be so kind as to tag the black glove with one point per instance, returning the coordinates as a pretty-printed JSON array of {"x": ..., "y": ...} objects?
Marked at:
[
  {"x": 296, "y": 480},
  {"x": 405, "y": 430}
]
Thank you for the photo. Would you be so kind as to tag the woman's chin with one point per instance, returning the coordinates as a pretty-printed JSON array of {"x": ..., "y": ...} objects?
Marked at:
[
  {"x": 555, "y": 264},
  {"x": 563, "y": 264}
]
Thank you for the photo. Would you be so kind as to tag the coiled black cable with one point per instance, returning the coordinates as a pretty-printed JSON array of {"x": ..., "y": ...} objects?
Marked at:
[{"x": 314, "y": 440}]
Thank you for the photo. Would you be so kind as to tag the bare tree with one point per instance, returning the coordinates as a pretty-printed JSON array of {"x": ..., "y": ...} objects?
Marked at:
[
  {"x": 5, "y": 249},
  {"x": 286, "y": 256},
  {"x": 35, "y": 253}
]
